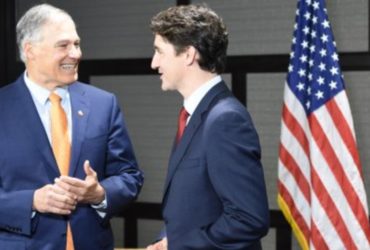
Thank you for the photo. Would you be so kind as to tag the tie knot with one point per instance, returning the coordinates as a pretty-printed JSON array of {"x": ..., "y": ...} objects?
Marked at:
[{"x": 54, "y": 98}]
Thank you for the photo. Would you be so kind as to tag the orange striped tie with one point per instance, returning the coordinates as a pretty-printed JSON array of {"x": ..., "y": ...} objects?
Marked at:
[{"x": 61, "y": 145}]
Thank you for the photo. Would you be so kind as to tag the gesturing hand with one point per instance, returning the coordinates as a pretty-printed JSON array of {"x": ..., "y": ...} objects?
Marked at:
[
  {"x": 53, "y": 199},
  {"x": 88, "y": 190}
]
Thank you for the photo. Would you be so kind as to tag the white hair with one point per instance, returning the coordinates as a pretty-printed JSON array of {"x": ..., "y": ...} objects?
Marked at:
[{"x": 30, "y": 25}]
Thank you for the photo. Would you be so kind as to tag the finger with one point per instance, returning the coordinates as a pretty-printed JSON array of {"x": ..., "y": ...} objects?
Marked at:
[
  {"x": 58, "y": 193},
  {"x": 64, "y": 188},
  {"x": 165, "y": 242},
  {"x": 77, "y": 188},
  {"x": 61, "y": 199},
  {"x": 71, "y": 181},
  {"x": 54, "y": 203},
  {"x": 74, "y": 192},
  {"x": 88, "y": 169},
  {"x": 156, "y": 246},
  {"x": 47, "y": 200},
  {"x": 59, "y": 208},
  {"x": 151, "y": 247}
]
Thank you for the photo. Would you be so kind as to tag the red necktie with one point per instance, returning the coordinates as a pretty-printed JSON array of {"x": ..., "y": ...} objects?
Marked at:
[
  {"x": 61, "y": 146},
  {"x": 183, "y": 117}
]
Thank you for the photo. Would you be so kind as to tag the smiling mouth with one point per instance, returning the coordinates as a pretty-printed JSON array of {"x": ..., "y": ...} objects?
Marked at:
[{"x": 69, "y": 67}]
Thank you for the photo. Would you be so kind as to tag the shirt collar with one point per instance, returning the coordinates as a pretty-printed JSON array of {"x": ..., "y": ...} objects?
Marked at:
[
  {"x": 191, "y": 103},
  {"x": 41, "y": 94}
]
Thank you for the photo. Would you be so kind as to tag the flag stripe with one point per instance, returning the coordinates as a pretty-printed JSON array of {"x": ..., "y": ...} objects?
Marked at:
[
  {"x": 293, "y": 215},
  {"x": 295, "y": 108},
  {"x": 324, "y": 226},
  {"x": 332, "y": 211},
  {"x": 293, "y": 125},
  {"x": 292, "y": 166},
  {"x": 290, "y": 184},
  {"x": 317, "y": 239},
  {"x": 344, "y": 130}
]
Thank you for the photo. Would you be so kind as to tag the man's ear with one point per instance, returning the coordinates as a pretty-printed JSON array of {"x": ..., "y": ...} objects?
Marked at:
[
  {"x": 191, "y": 55},
  {"x": 29, "y": 50}
]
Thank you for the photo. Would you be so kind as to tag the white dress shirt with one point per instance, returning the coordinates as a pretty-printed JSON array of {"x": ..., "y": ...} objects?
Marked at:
[
  {"x": 192, "y": 102},
  {"x": 40, "y": 97}
]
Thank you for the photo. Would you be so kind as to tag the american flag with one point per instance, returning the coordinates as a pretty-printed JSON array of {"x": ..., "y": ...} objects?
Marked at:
[{"x": 320, "y": 183}]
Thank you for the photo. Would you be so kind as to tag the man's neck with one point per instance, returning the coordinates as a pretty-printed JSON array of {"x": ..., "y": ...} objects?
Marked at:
[{"x": 195, "y": 81}]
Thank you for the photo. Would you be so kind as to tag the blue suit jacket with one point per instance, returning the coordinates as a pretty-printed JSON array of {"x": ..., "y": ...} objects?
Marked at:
[
  {"x": 215, "y": 195},
  {"x": 27, "y": 163}
]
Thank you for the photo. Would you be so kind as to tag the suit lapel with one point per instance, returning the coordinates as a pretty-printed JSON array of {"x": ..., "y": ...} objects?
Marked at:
[
  {"x": 80, "y": 113},
  {"x": 32, "y": 125},
  {"x": 196, "y": 120}
]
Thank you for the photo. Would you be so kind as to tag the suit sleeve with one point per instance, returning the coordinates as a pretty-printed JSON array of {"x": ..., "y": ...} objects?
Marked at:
[
  {"x": 235, "y": 171},
  {"x": 16, "y": 211},
  {"x": 123, "y": 179}
]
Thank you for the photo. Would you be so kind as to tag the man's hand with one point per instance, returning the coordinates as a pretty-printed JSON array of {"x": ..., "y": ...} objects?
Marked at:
[
  {"x": 53, "y": 199},
  {"x": 160, "y": 245},
  {"x": 88, "y": 190}
]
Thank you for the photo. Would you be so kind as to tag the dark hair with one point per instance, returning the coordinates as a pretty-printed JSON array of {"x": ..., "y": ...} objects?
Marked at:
[{"x": 197, "y": 26}]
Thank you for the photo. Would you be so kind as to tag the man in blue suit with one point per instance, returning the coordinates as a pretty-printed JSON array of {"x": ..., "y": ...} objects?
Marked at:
[
  {"x": 37, "y": 203},
  {"x": 214, "y": 195}
]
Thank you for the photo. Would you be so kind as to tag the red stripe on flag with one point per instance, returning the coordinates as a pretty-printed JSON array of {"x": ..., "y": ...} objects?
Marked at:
[
  {"x": 345, "y": 131},
  {"x": 292, "y": 166},
  {"x": 297, "y": 216},
  {"x": 331, "y": 210},
  {"x": 317, "y": 239},
  {"x": 296, "y": 129}
]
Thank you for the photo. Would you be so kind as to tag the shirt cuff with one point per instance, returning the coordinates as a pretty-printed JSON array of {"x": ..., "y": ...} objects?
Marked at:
[{"x": 100, "y": 208}]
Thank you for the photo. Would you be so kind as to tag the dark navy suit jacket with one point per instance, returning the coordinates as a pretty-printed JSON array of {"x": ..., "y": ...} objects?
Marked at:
[
  {"x": 27, "y": 163},
  {"x": 215, "y": 195}
]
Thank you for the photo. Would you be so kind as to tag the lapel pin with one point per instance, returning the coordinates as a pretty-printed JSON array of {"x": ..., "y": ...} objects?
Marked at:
[{"x": 80, "y": 113}]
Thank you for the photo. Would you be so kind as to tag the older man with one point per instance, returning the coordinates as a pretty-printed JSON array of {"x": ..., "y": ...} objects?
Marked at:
[{"x": 66, "y": 163}]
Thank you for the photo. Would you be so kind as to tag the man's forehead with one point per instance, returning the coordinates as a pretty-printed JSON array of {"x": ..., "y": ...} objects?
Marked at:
[{"x": 59, "y": 28}]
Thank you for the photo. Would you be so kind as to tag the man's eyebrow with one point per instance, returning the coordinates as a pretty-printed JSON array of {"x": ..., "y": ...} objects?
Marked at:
[{"x": 68, "y": 41}]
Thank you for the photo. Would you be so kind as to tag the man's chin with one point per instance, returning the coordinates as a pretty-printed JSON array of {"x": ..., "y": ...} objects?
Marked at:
[
  {"x": 68, "y": 81},
  {"x": 166, "y": 87},
  {"x": 72, "y": 79}
]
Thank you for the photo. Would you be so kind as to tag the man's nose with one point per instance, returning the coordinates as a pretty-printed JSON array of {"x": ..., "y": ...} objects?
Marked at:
[
  {"x": 75, "y": 52},
  {"x": 154, "y": 63}
]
